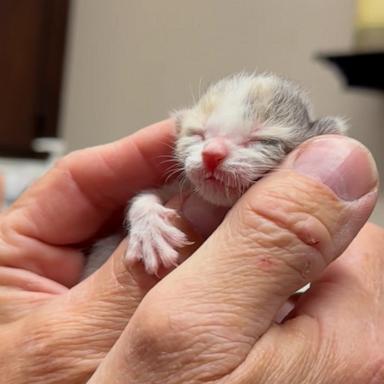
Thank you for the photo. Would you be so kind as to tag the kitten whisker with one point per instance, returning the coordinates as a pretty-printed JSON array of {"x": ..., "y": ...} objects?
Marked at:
[
  {"x": 200, "y": 86},
  {"x": 192, "y": 93},
  {"x": 172, "y": 173},
  {"x": 168, "y": 161}
]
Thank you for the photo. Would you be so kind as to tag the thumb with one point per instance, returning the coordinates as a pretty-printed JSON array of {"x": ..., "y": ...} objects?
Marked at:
[{"x": 209, "y": 312}]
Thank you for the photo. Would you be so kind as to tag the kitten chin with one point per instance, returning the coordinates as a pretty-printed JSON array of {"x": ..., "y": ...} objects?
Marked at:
[
  {"x": 219, "y": 198},
  {"x": 217, "y": 194}
]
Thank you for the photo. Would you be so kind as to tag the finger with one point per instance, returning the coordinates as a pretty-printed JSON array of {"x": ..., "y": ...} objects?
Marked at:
[
  {"x": 28, "y": 281},
  {"x": 86, "y": 187},
  {"x": 22, "y": 291},
  {"x": 90, "y": 316},
  {"x": 357, "y": 274},
  {"x": 343, "y": 309},
  {"x": 72, "y": 201},
  {"x": 206, "y": 316}
]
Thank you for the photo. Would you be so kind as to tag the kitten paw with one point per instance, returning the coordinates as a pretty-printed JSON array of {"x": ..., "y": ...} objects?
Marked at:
[{"x": 153, "y": 239}]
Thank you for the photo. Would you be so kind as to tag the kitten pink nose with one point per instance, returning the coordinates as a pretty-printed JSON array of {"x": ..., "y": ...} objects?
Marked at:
[{"x": 214, "y": 153}]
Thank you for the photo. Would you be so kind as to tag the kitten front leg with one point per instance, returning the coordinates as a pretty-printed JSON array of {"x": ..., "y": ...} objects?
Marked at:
[{"x": 153, "y": 239}]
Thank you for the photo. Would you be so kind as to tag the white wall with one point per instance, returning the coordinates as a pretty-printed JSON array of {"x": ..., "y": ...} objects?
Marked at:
[{"x": 130, "y": 62}]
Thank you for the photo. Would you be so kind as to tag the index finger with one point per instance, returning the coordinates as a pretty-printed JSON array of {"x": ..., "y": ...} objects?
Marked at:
[{"x": 72, "y": 201}]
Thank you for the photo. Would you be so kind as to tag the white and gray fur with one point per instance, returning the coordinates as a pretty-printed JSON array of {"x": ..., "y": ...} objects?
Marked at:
[{"x": 261, "y": 118}]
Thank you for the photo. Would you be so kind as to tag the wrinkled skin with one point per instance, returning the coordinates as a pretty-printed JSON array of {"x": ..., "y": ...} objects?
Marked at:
[{"x": 212, "y": 318}]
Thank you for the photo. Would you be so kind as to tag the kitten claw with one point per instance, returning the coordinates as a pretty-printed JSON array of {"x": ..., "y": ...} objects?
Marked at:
[{"x": 153, "y": 240}]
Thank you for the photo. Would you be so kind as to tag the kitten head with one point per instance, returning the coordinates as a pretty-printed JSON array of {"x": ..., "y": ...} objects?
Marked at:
[{"x": 242, "y": 128}]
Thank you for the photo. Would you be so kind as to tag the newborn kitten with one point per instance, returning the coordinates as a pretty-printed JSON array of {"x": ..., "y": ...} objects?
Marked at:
[{"x": 239, "y": 130}]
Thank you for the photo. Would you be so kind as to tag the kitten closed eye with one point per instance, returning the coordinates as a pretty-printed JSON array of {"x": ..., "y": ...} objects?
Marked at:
[
  {"x": 269, "y": 141},
  {"x": 196, "y": 132},
  {"x": 264, "y": 141}
]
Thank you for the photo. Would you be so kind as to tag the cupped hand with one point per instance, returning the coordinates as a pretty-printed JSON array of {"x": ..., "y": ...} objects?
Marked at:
[
  {"x": 54, "y": 330},
  {"x": 212, "y": 319}
]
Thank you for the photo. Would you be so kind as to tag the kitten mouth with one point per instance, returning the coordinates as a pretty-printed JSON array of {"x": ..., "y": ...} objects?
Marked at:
[
  {"x": 221, "y": 181},
  {"x": 220, "y": 187},
  {"x": 226, "y": 181}
]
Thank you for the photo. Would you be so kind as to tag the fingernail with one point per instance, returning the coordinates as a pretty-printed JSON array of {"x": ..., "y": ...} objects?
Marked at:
[
  {"x": 339, "y": 162},
  {"x": 203, "y": 216}
]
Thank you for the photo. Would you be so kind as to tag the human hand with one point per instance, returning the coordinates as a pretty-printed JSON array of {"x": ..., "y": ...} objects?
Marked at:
[
  {"x": 54, "y": 330},
  {"x": 52, "y": 334},
  {"x": 212, "y": 319}
]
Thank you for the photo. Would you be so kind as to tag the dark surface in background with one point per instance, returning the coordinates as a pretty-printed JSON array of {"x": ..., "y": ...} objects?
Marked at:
[
  {"x": 32, "y": 42},
  {"x": 363, "y": 70}
]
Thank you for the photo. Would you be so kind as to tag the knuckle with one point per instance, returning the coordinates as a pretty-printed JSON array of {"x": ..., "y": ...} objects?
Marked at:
[
  {"x": 152, "y": 327},
  {"x": 292, "y": 225},
  {"x": 64, "y": 162},
  {"x": 52, "y": 357},
  {"x": 164, "y": 336}
]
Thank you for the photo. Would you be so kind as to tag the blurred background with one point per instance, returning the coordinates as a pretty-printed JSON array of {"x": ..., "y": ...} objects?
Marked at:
[{"x": 86, "y": 72}]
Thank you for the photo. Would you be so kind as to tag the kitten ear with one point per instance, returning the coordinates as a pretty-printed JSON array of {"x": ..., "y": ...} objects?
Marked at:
[
  {"x": 178, "y": 117},
  {"x": 328, "y": 126}
]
